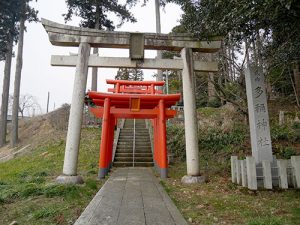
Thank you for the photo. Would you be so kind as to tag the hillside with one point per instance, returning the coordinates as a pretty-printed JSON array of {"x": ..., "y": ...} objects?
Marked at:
[{"x": 29, "y": 195}]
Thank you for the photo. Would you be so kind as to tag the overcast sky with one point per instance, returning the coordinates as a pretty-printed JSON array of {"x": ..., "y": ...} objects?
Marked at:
[{"x": 39, "y": 77}]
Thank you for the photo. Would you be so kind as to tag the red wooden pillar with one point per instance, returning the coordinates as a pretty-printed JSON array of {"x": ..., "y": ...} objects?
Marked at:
[
  {"x": 163, "y": 155},
  {"x": 152, "y": 89},
  {"x": 118, "y": 88},
  {"x": 103, "y": 165}
]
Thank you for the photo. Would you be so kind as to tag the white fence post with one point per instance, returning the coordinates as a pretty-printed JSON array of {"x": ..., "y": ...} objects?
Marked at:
[
  {"x": 266, "y": 165},
  {"x": 233, "y": 160},
  {"x": 282, "y": 173},
  {"x": 251, "y": 173}
]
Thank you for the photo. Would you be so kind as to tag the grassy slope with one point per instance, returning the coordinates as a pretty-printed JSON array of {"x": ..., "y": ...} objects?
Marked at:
[
  {"x": 28, "y": 193},
  {"x": 221, "y": 202}
]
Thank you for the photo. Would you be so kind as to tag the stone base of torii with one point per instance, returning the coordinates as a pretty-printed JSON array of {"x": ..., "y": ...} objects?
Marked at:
[{"x": 84, "y": 38}]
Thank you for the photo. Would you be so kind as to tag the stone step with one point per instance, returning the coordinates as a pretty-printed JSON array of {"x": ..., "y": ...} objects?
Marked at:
[
  {"x": 137, "y": 151},
  {"x": 130, "y": 146},
  {"x": 130, "y": 164},
  {"x": 130, "y": 159},
  {"x": 130, "y": 154},
  {"x": 137, "y": 146},
  {"x": 128, "y": 140},
  {"x": 131, "y": 129},
  {"x": 137, "y": 143},
  {"x": 142, "y": 131},
  {"x": 142, "y": 140},
  {"x": 137, "y": 137}
]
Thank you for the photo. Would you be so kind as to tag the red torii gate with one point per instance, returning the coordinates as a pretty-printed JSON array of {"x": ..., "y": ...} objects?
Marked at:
[{"x": 137, "y": 100}]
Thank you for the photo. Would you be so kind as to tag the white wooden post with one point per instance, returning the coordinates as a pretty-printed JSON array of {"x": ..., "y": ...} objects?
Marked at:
[{"x": 75, "y": 119}]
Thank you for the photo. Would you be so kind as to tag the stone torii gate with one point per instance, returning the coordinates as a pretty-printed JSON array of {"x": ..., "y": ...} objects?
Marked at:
[{"x": 85, "y": 38}]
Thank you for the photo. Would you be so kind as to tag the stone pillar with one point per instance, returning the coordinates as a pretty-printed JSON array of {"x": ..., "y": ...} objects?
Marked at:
[
  {"x": 258, "y": 115},
  {"x": 190, "y": 119},
  {"x": 69, "y": 175},
  {"x": 295, "y": 160},
  {"x": 251, "y": 173},
  {"x": 266, "y": 165},
  {"x": 238, "y": 172},
  {"x": 233, "y": 160},
  {"x": 244, "y": 173},
  {"x": 281, "y": 118},
  {"x": 282, "y": 172}
]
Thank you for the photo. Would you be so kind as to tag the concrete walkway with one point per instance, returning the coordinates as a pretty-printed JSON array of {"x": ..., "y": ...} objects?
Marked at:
[{"x": 131, "y": 196}]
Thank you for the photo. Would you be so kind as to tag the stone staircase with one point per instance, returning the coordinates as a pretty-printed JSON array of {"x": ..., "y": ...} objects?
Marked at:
[{"x": 124, "y": 152}]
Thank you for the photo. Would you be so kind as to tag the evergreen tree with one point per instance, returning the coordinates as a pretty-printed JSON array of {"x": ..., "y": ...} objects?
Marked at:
[
  {"x": 277, "y": 21},
  {"x": 26, "y": 14},
  {"x": 129, "y": 74},
  {"x": 10, "y": 24},
  {"x": 95, "y": 14},
  {"x": 8, "y": 18}
]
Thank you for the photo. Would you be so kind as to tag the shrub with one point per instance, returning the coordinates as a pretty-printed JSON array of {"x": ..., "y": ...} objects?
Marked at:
[
  {"x": 286, "y": 152},
  {"x": 280, "y": 133},
  {"x": 215, "y": 103},
  {"x": 296, "y": 125},
  {"x": 212, "y": 140},
  {"x": 176, "y": 140},
  {"x": 216, "y": 140}
]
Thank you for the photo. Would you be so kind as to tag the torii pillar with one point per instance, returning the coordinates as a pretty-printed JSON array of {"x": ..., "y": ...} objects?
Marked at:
[
  {"x": 190, "y": 119},
  {"x": 69, "y": 175}
]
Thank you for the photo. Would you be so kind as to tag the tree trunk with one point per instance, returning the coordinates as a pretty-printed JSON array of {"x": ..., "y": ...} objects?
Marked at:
[
  {"x": 211, "y": 91},
  {"x": 247, "y": 52},
  {"x": 158, "y": 31},
  {"x": 5, "y": 92},
  {"x": 259, "y": 50},
  {"x": 95, "y": 50},
  {"x": 297, "y": 80},
  {"x": 19, "y": 64},
  {"x": 254, "y": 53}
]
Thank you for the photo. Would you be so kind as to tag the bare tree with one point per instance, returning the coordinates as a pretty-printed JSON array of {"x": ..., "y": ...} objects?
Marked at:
[{"x": 28, "y": 105}]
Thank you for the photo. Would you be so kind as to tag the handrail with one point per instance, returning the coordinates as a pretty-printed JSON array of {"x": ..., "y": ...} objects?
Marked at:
[{"x": 133, "y": 146}]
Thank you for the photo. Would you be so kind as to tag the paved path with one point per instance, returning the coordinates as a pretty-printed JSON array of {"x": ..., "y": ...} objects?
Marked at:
[{"x": 131, "y": 196}]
